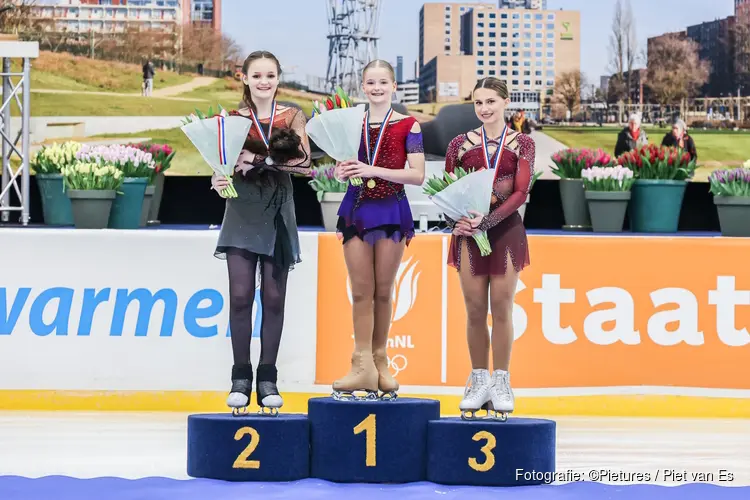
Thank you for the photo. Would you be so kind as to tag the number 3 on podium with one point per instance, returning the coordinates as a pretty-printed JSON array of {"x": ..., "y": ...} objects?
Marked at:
[
  {"x": 489, "y": 461},
  {"x": 368, "y": 427}
]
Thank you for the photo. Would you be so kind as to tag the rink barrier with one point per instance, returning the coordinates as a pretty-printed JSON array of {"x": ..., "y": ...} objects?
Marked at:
[
  {"x": 153, "y": 335},
  {"x": 667, "y": 406}
]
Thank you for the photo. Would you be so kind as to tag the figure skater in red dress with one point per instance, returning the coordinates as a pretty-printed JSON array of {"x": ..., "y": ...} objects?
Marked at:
[
  {"x": 511, "y": 154},
  {"x": 375, "y": 224}
]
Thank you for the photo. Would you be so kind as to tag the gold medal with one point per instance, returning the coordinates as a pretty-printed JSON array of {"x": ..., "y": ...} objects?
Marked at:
[{"x": 371, "y": 184}]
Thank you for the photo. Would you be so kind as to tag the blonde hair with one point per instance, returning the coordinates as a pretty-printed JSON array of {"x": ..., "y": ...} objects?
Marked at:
[{"x": 380, "y": 63}]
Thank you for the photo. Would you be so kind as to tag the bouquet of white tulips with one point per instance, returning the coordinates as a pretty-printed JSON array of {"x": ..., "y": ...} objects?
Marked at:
[{"x": 219, "y": 139}]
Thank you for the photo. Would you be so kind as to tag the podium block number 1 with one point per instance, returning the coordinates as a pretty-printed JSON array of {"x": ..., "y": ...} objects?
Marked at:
[
  {"x": 489, "y": 457},
  {"x": 368, "y": 427},
  {"x": 242, "y": 461}
]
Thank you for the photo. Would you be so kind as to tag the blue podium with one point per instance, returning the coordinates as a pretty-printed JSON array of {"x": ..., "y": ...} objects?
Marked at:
[
  {"x": 251, "y": 448},
  {"x": 370, "y": 441},
  {"x": 517, "y": 452}
]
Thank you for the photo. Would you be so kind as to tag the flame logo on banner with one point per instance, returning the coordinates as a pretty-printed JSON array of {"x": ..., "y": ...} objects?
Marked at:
[{"x": 405, "y": 289}]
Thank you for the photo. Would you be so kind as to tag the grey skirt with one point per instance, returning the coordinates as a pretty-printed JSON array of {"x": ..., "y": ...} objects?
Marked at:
[{"x": 261, "y": 220}]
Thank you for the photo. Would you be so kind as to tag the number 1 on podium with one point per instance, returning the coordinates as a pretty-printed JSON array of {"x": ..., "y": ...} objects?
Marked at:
[{"x": 368, "y": 427}]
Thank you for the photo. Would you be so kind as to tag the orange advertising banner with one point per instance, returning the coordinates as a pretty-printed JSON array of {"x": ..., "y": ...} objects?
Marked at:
[
  {"x": 590, "y": 311},
  {"x": 414, "y": 346}
]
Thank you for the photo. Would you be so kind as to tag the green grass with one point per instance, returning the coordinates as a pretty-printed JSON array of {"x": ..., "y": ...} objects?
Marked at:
[
  {"x": 229, "y": 90},
  {"x": 43, "y": 80},
  {"x": 63, "y": 71},
  {"x": 107, "y": 105},
  {"x": 716, "y": 149}
]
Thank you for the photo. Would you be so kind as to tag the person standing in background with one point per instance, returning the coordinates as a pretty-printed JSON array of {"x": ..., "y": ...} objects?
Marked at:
[
  {"x": 679, "y": 138},
  {"x": 631, "y": 137},
  {"x": 148, "y": 78}
]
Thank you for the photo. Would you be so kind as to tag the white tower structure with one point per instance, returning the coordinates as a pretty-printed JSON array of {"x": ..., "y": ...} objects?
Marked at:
[{"x": 352, "y": 42}]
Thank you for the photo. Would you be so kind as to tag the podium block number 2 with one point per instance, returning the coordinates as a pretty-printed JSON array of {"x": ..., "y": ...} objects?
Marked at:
[
  {"x": 242, "y": 461},
  {"x": 368, "y": 427},
  {"x": 489, "y": 457}
]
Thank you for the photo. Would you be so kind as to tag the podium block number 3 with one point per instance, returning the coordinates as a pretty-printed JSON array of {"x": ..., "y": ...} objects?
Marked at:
[
  {"x": 368, "y": 427},
  {"x": 489, "y": 457},
  {"x": 242, "y": 461}
]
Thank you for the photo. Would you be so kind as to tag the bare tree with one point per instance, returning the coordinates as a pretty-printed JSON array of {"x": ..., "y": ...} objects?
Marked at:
[
  {"x": 741, "y": 37},
  {"x": 617, "y": 48},
  {"x": 675, "y": 71},
  {"x": 205, "y": 45},
  {"x": 631, "y": 46},
  {"x": 623, "y": 51},
  {"x": 568, "y": 89},
  {"x": 15, "y": 16}
]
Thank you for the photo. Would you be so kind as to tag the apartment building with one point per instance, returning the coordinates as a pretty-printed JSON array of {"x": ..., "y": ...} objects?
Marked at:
[
  {"x": 528, "y": 48},
  {"x": 108, "y": 16},
  {"x": 113, "y": 16},
  {"x": 407, "y": 93},
  {"x": 202, "y": 12},
  {"x": 524, "y": 4}
]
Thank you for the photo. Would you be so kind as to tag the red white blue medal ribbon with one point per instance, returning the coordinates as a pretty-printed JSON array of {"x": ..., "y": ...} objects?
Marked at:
[
  {"x": 270, "y": 124},
  {"x": 222, "y": 140},
  {"x": 373, "y": 157},
  {"x": 269, "y": 160},
  {"x": 499, "y": 152}
]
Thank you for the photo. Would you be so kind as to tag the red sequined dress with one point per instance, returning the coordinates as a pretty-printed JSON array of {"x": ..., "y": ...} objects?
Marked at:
[
  {"x": 382, "y": 211},
  {"x": 504, "y": 225}
]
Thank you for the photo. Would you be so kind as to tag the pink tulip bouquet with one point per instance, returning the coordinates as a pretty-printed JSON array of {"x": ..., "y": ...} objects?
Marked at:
[{"x": 570, "y": 163}]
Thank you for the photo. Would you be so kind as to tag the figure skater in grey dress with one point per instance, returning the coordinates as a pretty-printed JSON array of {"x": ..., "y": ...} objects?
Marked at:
[{"x": 259, "y": 229}]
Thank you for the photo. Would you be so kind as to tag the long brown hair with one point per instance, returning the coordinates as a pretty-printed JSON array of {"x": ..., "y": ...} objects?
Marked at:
[
  {"x": 492, "y": 83},
  {"x": 247, "y": 98}
]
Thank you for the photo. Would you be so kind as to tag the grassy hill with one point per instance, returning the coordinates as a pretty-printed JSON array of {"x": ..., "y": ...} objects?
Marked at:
[
  {"x": 67, "y": 85},
  {"x": 62, "y": 71}
]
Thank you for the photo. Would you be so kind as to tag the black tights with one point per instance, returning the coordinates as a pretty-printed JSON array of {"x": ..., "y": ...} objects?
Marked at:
[{"x": 242, "y": 266}]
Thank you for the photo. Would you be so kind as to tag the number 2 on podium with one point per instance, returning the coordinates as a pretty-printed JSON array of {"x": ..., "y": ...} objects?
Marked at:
[
  {"x": 489, "y": 461},
  {"x": 242, "y": 461},
  {"x": 368, "y": 427}
]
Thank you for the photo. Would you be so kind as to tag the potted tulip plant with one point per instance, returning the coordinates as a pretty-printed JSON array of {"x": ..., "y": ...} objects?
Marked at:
[
  {"x": 162, "y": 155},
  {"x": 661, "y": 176},
  {"x": 47, "y": 164},
  {"x": 137, "y": 168},
  {"x": 608, "y": 194},
  {"x": 569, "y": 164},
  {"x": 91, "y": 188},
  {"x": 731, "y": 190},
  {"x": 330, "y": 192}
]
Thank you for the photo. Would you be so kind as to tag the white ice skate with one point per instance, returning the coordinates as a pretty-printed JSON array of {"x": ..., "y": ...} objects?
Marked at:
[
  {"x": 502, "y": 401},
  {"x": 270, "y": 404},
  {"x": 477, "y": 394},
  {"x": 238, "y": 400},
  {"x": 242, "y": 387},
  {"x": 268, "y": 397}
]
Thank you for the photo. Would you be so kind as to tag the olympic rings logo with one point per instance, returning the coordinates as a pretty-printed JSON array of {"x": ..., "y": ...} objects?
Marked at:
[{"x": 398, "y": 363}]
